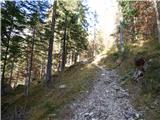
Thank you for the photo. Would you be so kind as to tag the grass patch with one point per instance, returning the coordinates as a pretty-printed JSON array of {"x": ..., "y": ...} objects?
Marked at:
[
  {"x": 144, "y": 96},
  {"x": 41, "y": 103},
  {"x": 77, "y": 79}
]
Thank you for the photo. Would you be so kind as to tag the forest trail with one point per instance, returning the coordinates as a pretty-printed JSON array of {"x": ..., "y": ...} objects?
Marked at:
[{"x": 107, "y": 100}]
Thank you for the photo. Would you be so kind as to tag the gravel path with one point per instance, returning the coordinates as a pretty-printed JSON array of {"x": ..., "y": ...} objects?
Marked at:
[{"x": 106, "y": 101}]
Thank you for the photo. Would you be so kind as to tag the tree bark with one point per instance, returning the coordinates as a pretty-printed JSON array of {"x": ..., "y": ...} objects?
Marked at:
[
  {"x": 31, "y": 57},
  {"x": 157, "y": 18},
  {"x": 10, "y": 78},
  {"x": 28, "y": 69},
  {"x": 121, "y": 38},
  {"x": 50, "y": 49},
  {"x": 26, "y": 88},
  {"x": 17, "y": 78},
  {"x": 4, "y": 68},
  {"x": 72, "y": 57},
  {"x": 64, "y": 45},
  {"x": 75, "y": 57}
]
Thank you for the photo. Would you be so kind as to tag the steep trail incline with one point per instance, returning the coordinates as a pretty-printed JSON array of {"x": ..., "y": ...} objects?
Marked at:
[{"x": 107, "y": 100}]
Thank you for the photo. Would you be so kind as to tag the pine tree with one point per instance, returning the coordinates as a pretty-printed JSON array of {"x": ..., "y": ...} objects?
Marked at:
[
  {"x": 12, "y": 27},
  {"x": 35, "y": 17},
  {"x": 157, "y": 18},
  {"x": 50, "y": 49}
]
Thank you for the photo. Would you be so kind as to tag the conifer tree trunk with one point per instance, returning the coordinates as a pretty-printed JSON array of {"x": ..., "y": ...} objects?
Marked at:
[
  {"x": 28, "y": 69},
  {"x": 75, "y": 57},
  {"x": 157, "y": 18},
  {"x": 17, "y": 78},
  {"x": 31, "y": 58},
  {"x": 4, "y": 68},
  {"x": 121, "y": 38},
  {"x": 64, "y": 45},
  {"x": 26, "y": 88},
  {"x": 50, "y": 49},
  {"x": 11, "y": 73},
  {"x": 72, "y": 57}
]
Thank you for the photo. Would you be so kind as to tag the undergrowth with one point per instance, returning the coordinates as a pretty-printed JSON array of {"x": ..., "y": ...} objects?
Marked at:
[
  {"x": 146, "y": 93},
  {"x": 41, "y": 103}
]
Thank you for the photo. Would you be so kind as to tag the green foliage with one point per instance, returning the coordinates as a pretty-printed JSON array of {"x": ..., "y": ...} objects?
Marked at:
[
  {"x": 13, "y": 24},
  {"x": 128, "y": 12},
  {"x": 76, "y": 24},
  {"x": 19, "y": 20},
  {"x": 77, "y": 78},
  {"x": 139, "y": 19}
]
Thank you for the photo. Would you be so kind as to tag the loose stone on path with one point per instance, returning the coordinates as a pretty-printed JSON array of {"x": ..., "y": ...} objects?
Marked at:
[{"x": 106, "y": 101}]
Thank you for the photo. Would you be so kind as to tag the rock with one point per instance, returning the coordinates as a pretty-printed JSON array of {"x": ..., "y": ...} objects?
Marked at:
[
  {"x": 102, "y": 74},
  {"x": 62, "y": 86},
  {"x": 98, "y": 79},
  {"x": 81, "y": 69},
  {"x": 122, "y": 95},
  {"x": 52, "y": 115},
  {"x": 107, "y": 91},
  {"x": 137, "y": 115},
  {"x": 86, "y": 114},
  {"x": 117, "y": 89},
  {"x": 129, "y": 115},
  {"x": 118, "y": 61},
  {"x": 152, "y": 107},
  {"x": 106, "y": 82},
  {"x": 131, "y": 119},
  {"x": 155, "y": 102},
  {"x": 107, "y": 100},
  {"x": 91, "y": 113},
  {"x": 150, "y": 60},
  {"x": 94, "y": 119}
]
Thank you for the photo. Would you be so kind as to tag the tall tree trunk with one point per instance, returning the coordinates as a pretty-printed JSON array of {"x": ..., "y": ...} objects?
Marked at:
[
  {"x": 64, "y": 45},
  {"x": 59, "y": 62},
  {"x": 133, "y": 29},
  {"x": 121, "y": 38},
  {"x": 94, "y": 39},
  {"x": 50, "y": 49},
  {"x": 17, "y": 78},
  {"x": 26, "y": 88},
  {"x": 28, "y": 69},
  {"x": 72, "y": 57},
  {"x": 4, "y": 68},
  {"x": 41, "y": 71},
  {"x": 31, "y": 57},
  {"x": 157, "y": 17},
  {"x": 11, "y": 74},
  {"x": 75, "y": 57}
]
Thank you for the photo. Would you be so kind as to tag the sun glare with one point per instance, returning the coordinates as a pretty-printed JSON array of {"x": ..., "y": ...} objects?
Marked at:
[{"x": 106, "y": 12}]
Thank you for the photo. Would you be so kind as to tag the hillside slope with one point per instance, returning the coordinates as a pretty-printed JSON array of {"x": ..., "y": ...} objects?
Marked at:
[
  {"x": 107, "y": 100},
  {"x": 42, "y": 103},
  {"x": 146, "y": 93}
]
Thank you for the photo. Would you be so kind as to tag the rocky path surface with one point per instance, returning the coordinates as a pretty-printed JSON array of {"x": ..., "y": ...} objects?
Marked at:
[{"x": 106, "y": 101}]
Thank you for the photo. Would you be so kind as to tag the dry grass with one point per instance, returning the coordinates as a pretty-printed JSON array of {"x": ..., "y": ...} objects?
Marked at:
[
  {"x": 41, "y": 103},
  {"x": 146, "y": 96}
]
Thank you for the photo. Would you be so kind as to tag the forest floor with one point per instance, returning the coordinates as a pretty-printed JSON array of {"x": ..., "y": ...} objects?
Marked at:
[
  {"x": 94, "y": 91},
  {"x": 106, "y": 100},
  {"x": 145, "y": 94}
]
